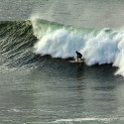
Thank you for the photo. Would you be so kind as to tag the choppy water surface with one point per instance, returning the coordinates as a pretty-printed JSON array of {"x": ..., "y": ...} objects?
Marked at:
[
  {"x": 62, "y": 93},
  {"x": 81, "y": 13}
]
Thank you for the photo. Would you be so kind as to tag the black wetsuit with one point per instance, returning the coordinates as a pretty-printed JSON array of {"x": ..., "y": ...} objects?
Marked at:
[{"x": 79, "y": 55}]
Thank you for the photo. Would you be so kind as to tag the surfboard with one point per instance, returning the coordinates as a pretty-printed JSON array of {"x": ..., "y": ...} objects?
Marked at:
[{"x": 76, "y": 62}]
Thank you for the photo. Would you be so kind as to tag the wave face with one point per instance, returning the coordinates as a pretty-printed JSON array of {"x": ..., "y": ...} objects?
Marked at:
[
  {"x": 103, "y": 46},
  {"x": 16, "y": 42}
]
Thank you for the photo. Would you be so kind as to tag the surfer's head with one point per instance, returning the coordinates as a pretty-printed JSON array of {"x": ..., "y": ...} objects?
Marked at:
[{"x": 76, "y": 51}]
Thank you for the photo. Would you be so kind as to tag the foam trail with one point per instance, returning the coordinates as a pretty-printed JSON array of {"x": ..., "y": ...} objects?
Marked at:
[
  {"x": 103, "y": 46},
  {"x": 86, "y": 119}
]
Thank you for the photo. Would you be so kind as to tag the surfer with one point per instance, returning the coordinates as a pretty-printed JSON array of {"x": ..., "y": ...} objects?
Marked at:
[{"x": 79, "y": 56}]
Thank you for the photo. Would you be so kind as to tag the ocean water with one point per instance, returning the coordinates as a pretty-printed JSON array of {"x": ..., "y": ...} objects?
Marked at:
[{"x": 38, "y": 82}]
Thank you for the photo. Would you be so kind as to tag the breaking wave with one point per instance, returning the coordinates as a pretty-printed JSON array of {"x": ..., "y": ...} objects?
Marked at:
[
  {"x": 102, "y": 46},
  {"x": 24, "y": 42}
]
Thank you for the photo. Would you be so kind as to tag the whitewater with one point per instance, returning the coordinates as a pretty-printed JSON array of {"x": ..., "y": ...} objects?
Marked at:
[{"x": 98, "y": 46}]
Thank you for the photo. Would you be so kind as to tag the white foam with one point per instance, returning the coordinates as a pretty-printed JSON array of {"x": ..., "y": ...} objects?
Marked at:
[
  {"x": 119, "y": 61},
  {"x": 59, "y": 43},
  {"x": 85, "y": 119}
]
